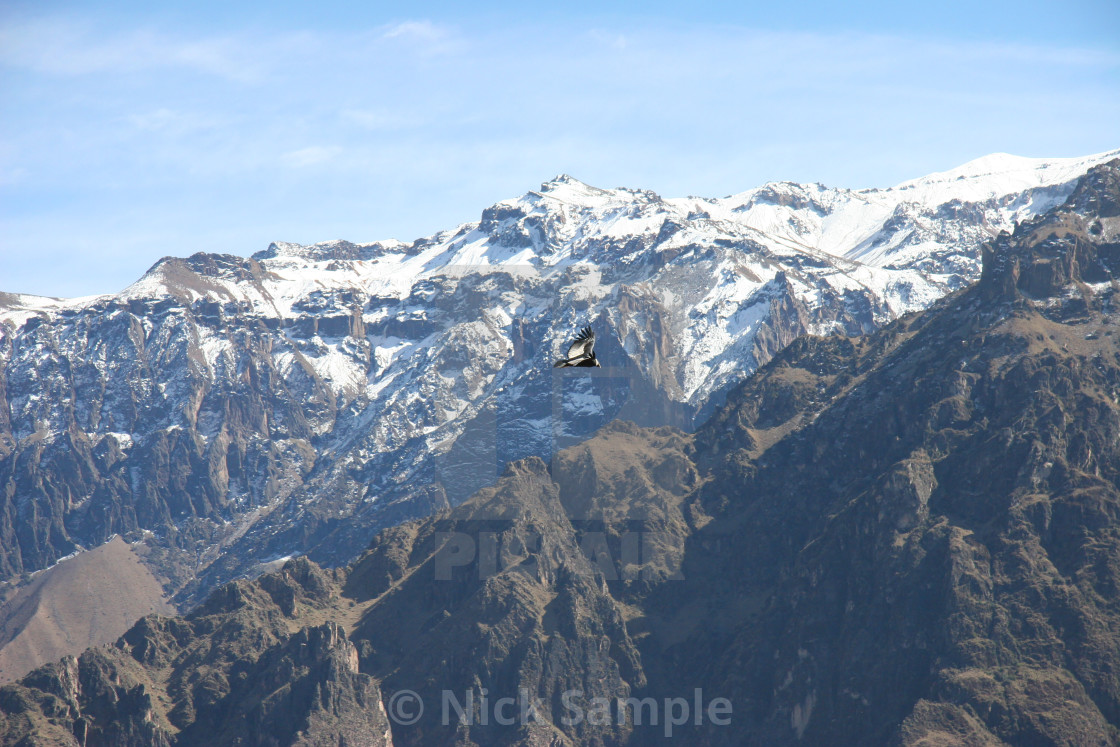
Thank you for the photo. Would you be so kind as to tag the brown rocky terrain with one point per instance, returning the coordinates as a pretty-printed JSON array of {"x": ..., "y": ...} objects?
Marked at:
[
  {"x": 931, "y": 554},
  {"x": 907, "y": 538}
]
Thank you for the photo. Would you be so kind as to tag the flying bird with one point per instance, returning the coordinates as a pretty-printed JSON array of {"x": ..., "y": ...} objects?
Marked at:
[{"x": 581, "y": 351}]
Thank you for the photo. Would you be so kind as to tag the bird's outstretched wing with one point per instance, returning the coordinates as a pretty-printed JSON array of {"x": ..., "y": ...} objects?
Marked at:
[{"x": 584, "y": 344}]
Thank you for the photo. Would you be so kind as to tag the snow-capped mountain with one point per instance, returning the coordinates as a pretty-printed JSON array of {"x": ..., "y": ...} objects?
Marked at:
[
  {"x": 230, "y": 411},
  {"x": 884, "y": 540}
]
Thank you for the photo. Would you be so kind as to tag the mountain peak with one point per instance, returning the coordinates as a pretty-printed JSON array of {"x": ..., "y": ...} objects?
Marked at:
[
  {"x": 324, "y": 250},
  {"x": 560, "y": 180},
  {"x": 1048, "y": 253},
  {"x": 571, "y": 190},
  {"x": 1000, "y": 173}
]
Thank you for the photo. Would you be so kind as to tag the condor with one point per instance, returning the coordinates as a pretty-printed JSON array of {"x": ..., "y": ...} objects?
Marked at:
[{"x": 581, "y": 351}]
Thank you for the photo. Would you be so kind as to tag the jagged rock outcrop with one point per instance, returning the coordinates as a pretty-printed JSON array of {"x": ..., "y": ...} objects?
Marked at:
[{"x": 248, "y": 667}]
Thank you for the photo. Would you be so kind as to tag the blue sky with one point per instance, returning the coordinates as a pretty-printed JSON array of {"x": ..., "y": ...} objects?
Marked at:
[{"x": 130, "y": 131}]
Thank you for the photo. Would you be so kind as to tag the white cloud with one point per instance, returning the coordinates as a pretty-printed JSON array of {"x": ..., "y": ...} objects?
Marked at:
[
  {"x": 376, "y": 119},
  {"x": 73, "y": 47},
  {"x": 174, "y": 121},
  {"x": 614, "y": 40},
  {"x": 314, "y": 155},
  {"x": 420, "y": 30},
  {"x": 425, "y": 37}
]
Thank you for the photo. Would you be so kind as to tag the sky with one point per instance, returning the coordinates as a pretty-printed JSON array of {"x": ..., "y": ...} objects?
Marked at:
[{"x": 130, "y": 131}]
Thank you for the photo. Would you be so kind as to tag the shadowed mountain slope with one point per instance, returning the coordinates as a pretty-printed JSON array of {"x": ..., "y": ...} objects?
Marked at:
[{"x": 933, "y": 551}]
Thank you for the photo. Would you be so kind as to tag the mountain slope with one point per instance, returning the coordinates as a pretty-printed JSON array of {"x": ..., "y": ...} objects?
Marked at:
[
  {"x": 63, "y": 609},
  {"x": 230, "y": 412},
  {"x": 939, "y": 546},
  {"x": 910, "y": 537}
]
